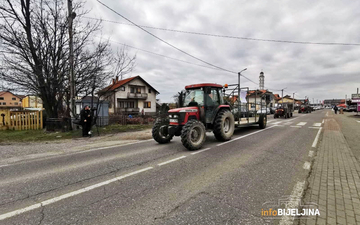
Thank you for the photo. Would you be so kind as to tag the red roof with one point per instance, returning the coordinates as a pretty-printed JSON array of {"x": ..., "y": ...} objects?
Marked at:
[
  {"x": 120, "y": 83},
  {"x": 203, "y": 85}
]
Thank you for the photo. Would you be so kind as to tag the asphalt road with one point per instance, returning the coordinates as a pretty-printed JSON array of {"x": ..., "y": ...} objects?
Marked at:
[{"x": 148, "y": 183}]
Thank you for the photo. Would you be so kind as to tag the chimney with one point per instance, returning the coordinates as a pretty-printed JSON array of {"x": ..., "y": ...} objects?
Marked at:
[
  {"x": 117, "y": 78},
  {"x": 113, "y": 81}
]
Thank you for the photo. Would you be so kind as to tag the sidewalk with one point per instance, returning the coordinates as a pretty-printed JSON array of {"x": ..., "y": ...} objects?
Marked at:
[{"x": 334, "y": 182}]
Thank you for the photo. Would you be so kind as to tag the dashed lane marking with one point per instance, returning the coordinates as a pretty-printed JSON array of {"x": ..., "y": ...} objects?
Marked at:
[
  {"x": 314, "y": 127},
  {"x": 172, "y": 160},
  {"x": 307, "y": 166},
  {"x": 358, "y": 121},
  {"x": 323, "y": 121},
  {"x": 194, "y": 153},
  {"x": 296, "y": 126},
  {"x": 301, "y": 123},
  {"x": 293, "y": 203},
  {"x": 317, "y": 125},
  {"x": 68, "y": 195},
  {"x": 311, "y": 153},
  {"x": 316, "y": 138}
]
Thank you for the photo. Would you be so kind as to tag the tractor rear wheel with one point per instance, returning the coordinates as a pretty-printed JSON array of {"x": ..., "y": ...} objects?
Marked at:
[
  {"x": 159, "y": 132},
  {"x": 224, "y": 125},
  {"x": 262, "y": 121},
  {"x": 193, "y": 135}
]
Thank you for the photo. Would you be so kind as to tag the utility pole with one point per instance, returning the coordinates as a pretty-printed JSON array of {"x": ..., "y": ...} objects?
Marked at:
[
  {"x": 71, "y": 16},
  {"x": 293, "y": 101},
  {"x": 239, "y": 85}
]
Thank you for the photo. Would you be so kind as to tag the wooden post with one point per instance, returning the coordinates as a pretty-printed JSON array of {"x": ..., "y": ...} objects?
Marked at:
[{"x": 41, "y": 120}]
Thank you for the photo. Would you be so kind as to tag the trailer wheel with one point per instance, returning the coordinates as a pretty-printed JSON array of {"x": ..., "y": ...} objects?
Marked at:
[
  {"x": 224, "y": 125},
  {"x": 193, "y": 135},
  {"x": 285, "y": 115},
  {"x": 291, "y": 114},
  {"x": 159, "y": 132},
  {"x": 262, "y": 121}
]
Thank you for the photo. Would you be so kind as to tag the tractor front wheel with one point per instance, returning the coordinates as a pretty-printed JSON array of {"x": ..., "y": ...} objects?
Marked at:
[
  {"x": 193, "y": 135},
  {"x": 159, "y": 132},
  {"x": 224, "y": 125},
  {"x": 262, "y": 121}
]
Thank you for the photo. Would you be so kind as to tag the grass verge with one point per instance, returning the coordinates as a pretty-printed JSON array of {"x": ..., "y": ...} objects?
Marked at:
[{"x": 13, "y": 136}]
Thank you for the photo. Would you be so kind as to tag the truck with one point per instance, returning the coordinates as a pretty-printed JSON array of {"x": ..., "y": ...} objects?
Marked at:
[
  {"x": 207, "y": 107},
  {"x": 284, "y": 110}
]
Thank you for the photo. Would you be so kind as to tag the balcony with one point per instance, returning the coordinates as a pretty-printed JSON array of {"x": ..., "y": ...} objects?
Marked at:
[
  {"x": 127, "y": 110},
  {"x": 137, "y": 95}
]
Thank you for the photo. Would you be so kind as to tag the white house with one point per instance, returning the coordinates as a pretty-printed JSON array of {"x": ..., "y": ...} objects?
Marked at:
[{"x": 131, "y": 96}]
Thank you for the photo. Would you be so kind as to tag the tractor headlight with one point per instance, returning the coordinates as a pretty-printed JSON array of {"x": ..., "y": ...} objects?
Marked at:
[
  {"x": 170, "y": 116},
  {"x": 175, "y": 116}
]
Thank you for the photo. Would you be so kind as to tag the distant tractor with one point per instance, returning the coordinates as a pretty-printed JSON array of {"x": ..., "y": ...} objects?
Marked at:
[
  {"x": 202, "y": 108},
  {"x": 284, "y": 110},
  {"x": 305, "y": 109}
]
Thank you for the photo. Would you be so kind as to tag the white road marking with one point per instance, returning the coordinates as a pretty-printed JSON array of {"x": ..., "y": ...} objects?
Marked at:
[
  {"x": 311, "y": 153},
  {"x": 307, "y": 166},
  {"x": 323, "y": 121},
  {"x": 194, "y": 153},
  {"x": 316, "y": 138},
  {"x": 244, "y": 136},
  {"x": 297, "y": 126},
  {"x": 314, "y": 127},
  {"x": 287, "y": 123},
  {"x": 4, "y": 165},
  {"x": 327, "y": 114},
  {"x": 301, "y": 123},
  {"x": 358, "y": 121},
  {"x": 172, "y": 160},
  {"x": 293, "y": 203},
  {"x": 71, "y": 194},
  {"x": 277, "y": 122},
  {"x": 317, "y": 125}
]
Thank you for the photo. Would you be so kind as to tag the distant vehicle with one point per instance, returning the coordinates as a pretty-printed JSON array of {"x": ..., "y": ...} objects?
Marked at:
[
  {"x": 351, "y": 108},
  {"x": 272, "y": 110},
  {"x": 284, "y": 110},
  {"x": 264, "y": 110},
  {"x": 305, "y": 109}
]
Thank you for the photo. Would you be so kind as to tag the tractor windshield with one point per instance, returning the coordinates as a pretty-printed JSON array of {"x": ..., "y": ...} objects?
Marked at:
[{"x": 194, "y": 97}]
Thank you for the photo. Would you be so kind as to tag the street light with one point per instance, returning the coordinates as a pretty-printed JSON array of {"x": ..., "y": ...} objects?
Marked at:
[{"x": 239, "y": 83}]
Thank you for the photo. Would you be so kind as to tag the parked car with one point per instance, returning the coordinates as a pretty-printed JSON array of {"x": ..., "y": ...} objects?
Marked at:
[
  {"x": 351, "y": 108},
  {"x": 264, "y": 110}
]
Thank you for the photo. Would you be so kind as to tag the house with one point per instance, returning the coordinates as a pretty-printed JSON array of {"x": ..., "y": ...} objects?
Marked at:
[
  {"x": 286, "y": 98},
  {"x": 9, "y": 100},
  {"x": 256, "y": 95},
  {"x": 130, "y": 96},
  {"x": 32, "y": 102}
]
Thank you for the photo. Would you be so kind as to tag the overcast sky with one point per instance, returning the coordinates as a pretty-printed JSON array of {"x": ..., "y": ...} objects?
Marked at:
[{"x": 318, "y": 71}]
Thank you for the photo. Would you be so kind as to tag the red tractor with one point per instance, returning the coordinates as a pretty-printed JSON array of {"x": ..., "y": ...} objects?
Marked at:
[{"x": 203, "y": 108}]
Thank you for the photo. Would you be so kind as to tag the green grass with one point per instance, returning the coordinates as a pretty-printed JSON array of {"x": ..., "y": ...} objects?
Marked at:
[{"x": 13, "y": 136}]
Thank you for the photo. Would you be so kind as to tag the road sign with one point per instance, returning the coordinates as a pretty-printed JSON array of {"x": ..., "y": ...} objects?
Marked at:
[{"x": 355, "y": 96}]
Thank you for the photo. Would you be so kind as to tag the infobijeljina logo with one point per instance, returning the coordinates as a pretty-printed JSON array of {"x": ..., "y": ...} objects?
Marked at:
[{"x": 288, "y": 208}]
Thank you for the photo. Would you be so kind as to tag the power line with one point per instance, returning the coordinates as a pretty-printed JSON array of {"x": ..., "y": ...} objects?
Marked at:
[
  {"x": 162, "y": 40},
  {"x": 232, "y": 37}
]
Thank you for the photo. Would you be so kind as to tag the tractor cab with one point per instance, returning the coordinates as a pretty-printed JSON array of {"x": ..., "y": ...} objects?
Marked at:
[{"x": 207, "y": 98}]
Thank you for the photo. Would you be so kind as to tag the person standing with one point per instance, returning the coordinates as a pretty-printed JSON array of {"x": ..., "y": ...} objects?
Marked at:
[
  {"x": 86, "y": 120},
  {"x": 335, "y": 109}
]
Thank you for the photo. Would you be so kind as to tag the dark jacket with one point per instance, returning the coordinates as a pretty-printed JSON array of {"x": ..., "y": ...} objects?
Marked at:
[{"x": 86, "y": 115}]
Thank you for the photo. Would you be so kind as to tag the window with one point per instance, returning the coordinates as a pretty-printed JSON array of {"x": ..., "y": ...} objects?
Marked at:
[
  {"x": 1, "y": 98},
  {"x": 132, "y": 90},
  {"x": 149, "y": 90},
  {"x": 14, "y": 99},
  {"x": 147, "y": 105},
  {"x": 122, "y": 88},
  {"x": 4, "y": 103},
  {"x": 138, "y": 90},
  {"x": 16, "y": 103},
  {"x": 126, "y": 104}
]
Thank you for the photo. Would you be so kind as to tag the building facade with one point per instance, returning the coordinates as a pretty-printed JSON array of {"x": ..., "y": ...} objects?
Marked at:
[
  {"x": 9, "y": 100},
  {"x": 130, "y": 96}
]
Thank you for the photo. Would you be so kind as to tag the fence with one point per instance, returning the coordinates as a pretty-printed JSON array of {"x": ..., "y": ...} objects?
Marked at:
[{"x": 21, "y": 120}]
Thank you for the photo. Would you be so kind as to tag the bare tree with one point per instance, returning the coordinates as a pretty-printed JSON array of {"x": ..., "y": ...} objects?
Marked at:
[
  {"x": 123, "y": 63},
  {"x": 36, "y": 52}
]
